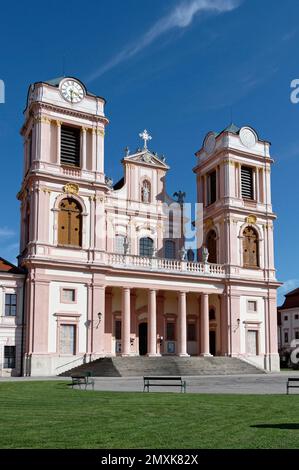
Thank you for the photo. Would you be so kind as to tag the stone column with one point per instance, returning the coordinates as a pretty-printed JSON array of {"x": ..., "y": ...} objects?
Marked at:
[
  {"x": 98, "y": 320},
  {"x": 182, "y": 337},
  {"x": 152, "y": 351},
  {"x": 109, "y": 321},
  {"x": 58, "y": 141},
  {"x": 125, "y": 322},
  {"x": 224, "y": 324},
  {"x": 205, "y": 335}
]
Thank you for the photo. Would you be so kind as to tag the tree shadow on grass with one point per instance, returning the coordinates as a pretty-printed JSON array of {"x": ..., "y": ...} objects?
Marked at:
[{"x": 276, "y": 426}]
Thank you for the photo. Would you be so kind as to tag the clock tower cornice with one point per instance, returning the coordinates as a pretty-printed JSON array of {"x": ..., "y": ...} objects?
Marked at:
[{"x": 41, "y": 110}]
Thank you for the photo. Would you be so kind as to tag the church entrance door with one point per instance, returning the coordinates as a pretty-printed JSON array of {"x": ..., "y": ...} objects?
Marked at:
[
  {"x": 213, "y": 342},
  {"x": 142, "y": 339}
]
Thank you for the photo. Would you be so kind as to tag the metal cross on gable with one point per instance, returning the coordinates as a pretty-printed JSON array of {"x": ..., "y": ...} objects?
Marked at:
[{"x": 145, "y": 137}]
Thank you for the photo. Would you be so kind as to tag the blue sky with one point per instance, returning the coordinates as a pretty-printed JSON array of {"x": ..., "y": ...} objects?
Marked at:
[{"x": 173, "y": 67}]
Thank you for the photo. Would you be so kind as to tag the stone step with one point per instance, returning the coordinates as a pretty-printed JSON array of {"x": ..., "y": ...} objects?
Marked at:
[{"x": 165, "y": 365}]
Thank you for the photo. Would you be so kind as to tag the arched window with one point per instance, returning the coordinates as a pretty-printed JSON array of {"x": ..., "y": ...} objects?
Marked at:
[
  {"x": 120, "y": 244},
  {"x": 212, "y": 246},
  {"x": 170, "y": 249},
  {"x": 70, "y": 223},
  {"x": 146, "y": 247},
  {"x": 146, "y": 191},
  {"x": 212, "y": 314},
  {"x": 250, "y": 248}
]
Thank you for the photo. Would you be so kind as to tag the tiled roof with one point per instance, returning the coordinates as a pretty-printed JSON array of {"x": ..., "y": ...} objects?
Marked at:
[
  {"x": 7, "y": 267},
  {"x": 291, "y": 300}
]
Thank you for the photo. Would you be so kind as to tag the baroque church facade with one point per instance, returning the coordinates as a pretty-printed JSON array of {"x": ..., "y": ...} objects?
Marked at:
[{"x": 105, "y": 267}]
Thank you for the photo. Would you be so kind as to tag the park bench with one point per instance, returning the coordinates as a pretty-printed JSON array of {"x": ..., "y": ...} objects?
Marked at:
[
  {"x": 290, "y": 381},
  {"x": 84, "y": 379},
  {"x": 163, "y": 381}
]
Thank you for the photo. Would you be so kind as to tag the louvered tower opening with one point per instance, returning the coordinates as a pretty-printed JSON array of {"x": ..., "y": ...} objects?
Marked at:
[
  {"x": 70, "y": 146},
  {"x": 247, "y": 182}
]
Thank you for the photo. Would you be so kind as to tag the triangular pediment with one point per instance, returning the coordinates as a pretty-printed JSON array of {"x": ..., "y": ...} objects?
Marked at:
[{"x": 146, "y": 157}]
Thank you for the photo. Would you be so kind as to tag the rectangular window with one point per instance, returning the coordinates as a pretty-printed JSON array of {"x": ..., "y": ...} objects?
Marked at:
[
  {"x": 286, "y": 318},
  {"x": 286, "y": 336},
  {"x": 118, "y": 329},
  {"x": 296, "y": 334},
  {"x": 296, "y": 317},
  {"x": 10, "y": 305},
  {"x": 170, "y": 331},
  {"x": 67, "y": 339},
  {"x": 70, "y": 146},
  {"x": 247, "y": 182},
  {"x": 252, "y": 306},
  {"x": 68, "y": 295},
  {"x": 212, "y": 187},
  {"x": 191, "y": 332},
  {"x": 9, "y": 357}
]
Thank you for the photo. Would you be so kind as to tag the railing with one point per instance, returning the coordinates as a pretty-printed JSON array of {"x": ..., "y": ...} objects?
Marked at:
[
  {"x": 163, "y": 264},
  {"x": 75, "y": 172}
]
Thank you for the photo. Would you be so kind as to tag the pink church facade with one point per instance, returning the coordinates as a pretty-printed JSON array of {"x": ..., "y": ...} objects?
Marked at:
[{"x": 107, "y": 273}]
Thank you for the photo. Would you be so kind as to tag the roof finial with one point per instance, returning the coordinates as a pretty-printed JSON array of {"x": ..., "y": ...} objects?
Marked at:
[{"x": 145, "y": 137}]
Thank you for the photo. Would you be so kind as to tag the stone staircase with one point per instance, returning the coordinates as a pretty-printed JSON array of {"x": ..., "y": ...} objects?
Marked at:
[{"x": 166, "y": 365}]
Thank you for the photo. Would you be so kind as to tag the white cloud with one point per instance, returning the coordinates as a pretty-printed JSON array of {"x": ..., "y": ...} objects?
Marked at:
[
  {"x": 180, "y": 17},
  {"x": 6, "y": 232}
]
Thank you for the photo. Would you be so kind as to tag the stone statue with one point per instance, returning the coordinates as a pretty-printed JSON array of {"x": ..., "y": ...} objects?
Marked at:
[
  {"x": 205, "y": 255},
  {"x": 145, "y": 194},
  {"x": 109, "y": 181},
  {"x": 180, "y": 195},
  {"x": 182, "y": 253}
]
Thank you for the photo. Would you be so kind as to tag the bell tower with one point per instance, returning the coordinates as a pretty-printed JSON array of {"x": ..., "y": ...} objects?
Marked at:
[
  {"x": 233, "y": 184},
  {"x": 63, "y": 136}
]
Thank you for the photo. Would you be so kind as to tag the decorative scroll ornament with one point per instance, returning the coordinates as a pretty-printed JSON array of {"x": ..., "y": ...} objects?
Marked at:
[
  {"x": 209, "y": 223},
  {"x": 251, "y": 219},
  {"x": 71, "y": 188}
]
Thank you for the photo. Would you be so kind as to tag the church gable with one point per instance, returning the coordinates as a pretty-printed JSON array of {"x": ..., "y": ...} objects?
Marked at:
[{"x": 148, "y": 158}]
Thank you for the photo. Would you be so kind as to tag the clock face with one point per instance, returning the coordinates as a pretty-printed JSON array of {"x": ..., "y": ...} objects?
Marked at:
[{"x": 72, "y": 91}]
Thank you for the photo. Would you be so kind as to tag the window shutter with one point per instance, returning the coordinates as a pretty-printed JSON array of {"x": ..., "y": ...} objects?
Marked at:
[
  {"x": 247, "y": 182},
  {"x": 75, "y": 229},
  {"x": 70, "y": 146},
  {"x": 250, "y": 248},
  {"x": 70, "y": 223}
]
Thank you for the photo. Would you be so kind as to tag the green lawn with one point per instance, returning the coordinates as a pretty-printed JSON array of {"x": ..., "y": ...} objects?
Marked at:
[{"x": 51, "y": 415}]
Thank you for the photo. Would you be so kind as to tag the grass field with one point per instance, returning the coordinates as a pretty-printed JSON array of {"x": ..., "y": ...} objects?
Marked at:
[{"x": 51, "y": 415}]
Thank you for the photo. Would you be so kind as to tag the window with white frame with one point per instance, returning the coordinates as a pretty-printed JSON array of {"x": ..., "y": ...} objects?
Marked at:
[
  {"x": 10, "y": 305},
  {"x": 251, "y": 305},
  {"x": 68, "y": 295},
  {"x": 9, "y": 357},
  {"x": 146, "y": 247}
]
